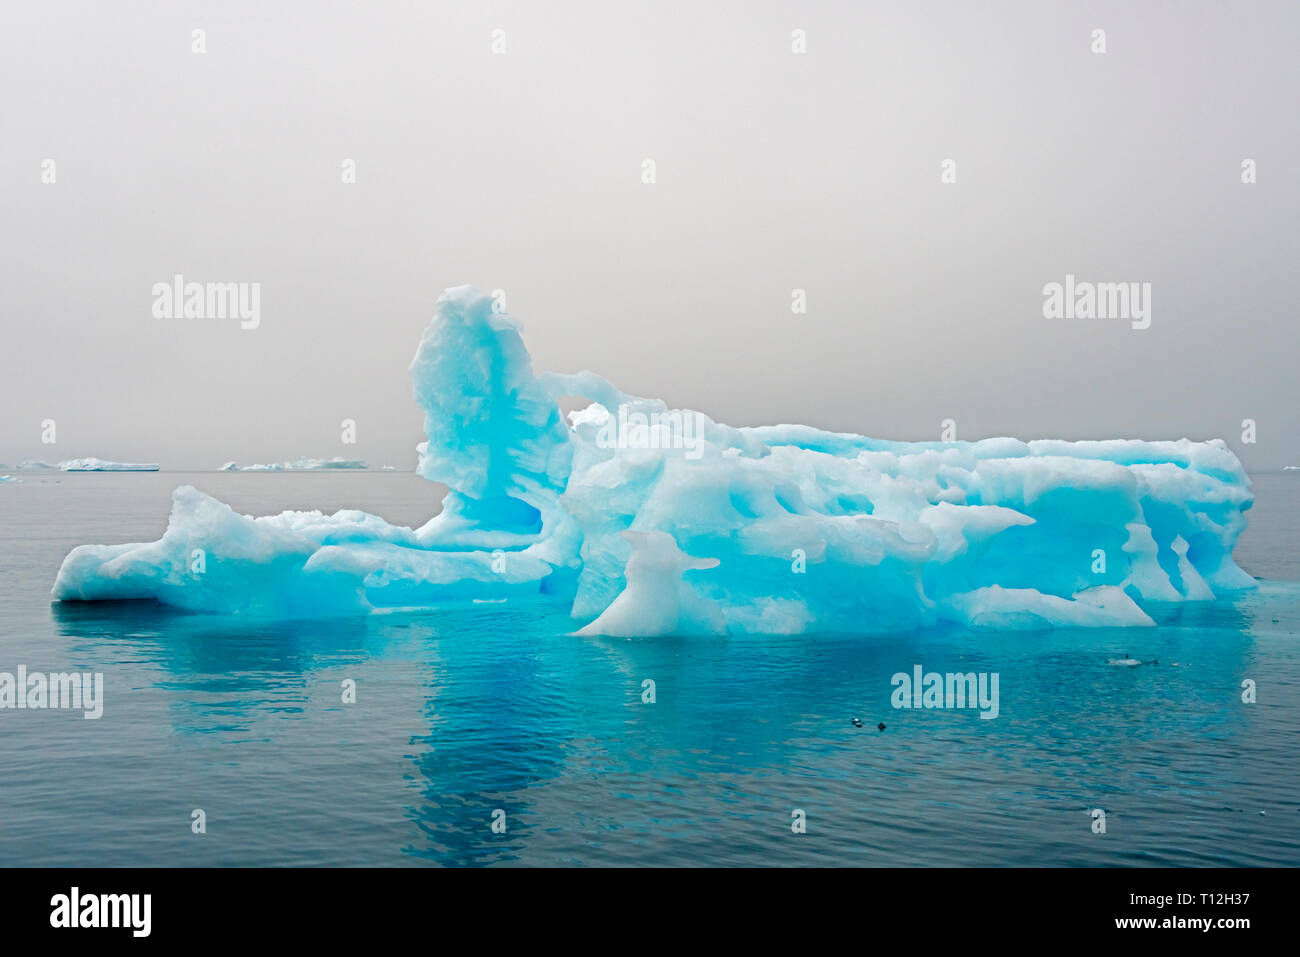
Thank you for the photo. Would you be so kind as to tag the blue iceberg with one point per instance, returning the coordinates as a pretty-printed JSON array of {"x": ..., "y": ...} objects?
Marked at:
[
  {"x": 100, "y": 465},
  {"x": 297, "y": 465},
  {"x": 646, "y": 520}
]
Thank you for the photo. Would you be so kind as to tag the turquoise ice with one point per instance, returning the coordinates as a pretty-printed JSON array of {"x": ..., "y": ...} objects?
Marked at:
[{"x": 782, "y": 529}]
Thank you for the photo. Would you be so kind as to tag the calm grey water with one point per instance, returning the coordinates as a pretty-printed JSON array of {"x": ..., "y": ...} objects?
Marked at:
[{"x": 460, "y": 714}]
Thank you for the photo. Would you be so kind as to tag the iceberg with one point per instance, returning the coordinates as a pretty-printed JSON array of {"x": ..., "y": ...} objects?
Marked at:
[
  {"x": 302, "y": 464},
  {"x": 99, "y": 465},
  {"x": 644, "y": 520},
  {"x": 87, "y": 465}
]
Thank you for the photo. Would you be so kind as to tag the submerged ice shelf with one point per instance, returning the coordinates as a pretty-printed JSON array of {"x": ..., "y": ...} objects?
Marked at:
[{"x": 650, "y": 521}]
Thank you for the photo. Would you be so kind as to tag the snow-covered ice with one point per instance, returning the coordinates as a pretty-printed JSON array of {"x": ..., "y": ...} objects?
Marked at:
[
  {"x": 648, "y": 521},
  {"x": 297, "y": 465},
  {"x": 100, "y": 465}
]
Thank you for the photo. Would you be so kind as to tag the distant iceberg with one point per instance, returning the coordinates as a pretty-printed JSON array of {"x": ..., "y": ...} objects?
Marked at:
[
  {"x": 303, "y": 464},
  {"x": 649, "y": 521},
  {"x": 10, "y": 478},
  {"x": 99, "y": 465},
  {"x": 86, "y": 465}
]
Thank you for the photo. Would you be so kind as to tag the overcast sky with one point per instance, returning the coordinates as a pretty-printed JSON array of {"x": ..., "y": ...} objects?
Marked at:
[{"x": 523, "y": 171}]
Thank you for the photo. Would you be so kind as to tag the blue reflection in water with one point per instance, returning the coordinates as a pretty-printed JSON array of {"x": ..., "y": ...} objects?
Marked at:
[{"x": 464, "y": 711}]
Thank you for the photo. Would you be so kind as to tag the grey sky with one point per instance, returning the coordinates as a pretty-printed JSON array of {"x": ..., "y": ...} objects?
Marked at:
[{"x": 522, "y": 171}]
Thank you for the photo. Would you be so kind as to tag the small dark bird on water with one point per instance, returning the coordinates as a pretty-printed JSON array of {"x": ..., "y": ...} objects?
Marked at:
[
  {"x": 857, "y": 722},
  {"x": 881, "y": 726}
]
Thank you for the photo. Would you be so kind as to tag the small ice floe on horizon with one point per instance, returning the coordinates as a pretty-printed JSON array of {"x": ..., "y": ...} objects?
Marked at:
[
  {"x": 100, "y": 465},
  {"x": 10, "y": 478},
  {"x": 643, "y": 520},
  {"x": 297, "y": 465}
]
